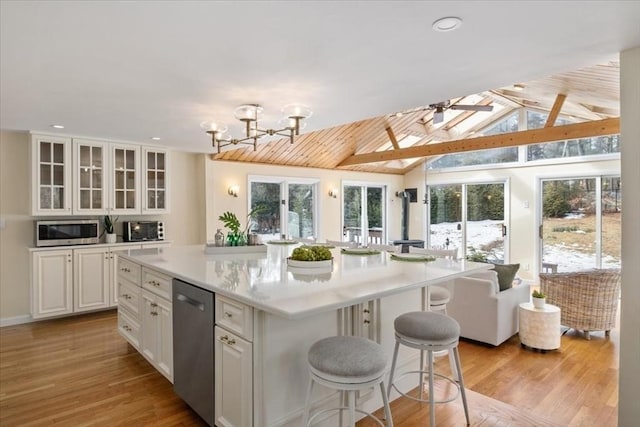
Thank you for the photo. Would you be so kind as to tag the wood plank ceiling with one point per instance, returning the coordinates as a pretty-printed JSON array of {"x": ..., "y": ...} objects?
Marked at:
[{"x": 588, "y": 94}]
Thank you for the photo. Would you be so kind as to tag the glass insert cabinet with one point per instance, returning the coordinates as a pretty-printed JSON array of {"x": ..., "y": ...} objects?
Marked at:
[{"x": 92, "y": 177}]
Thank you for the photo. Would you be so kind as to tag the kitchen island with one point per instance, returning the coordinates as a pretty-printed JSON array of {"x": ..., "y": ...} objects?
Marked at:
[{"x": 268, "y": 314}]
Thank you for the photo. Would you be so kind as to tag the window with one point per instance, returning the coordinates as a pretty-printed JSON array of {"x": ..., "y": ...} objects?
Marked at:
[{"x": 292, "y": 198}]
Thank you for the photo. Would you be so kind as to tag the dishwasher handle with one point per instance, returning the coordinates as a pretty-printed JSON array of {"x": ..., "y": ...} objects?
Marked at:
[{"x": 197, "y": 304}]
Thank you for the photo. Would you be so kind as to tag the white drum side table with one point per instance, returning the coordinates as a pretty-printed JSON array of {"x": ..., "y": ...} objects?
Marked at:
[{"x": 539, "y": 327}]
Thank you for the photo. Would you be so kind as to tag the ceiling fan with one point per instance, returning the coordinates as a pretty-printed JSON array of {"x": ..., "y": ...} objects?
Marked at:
[{"x": 438, "y": 113}]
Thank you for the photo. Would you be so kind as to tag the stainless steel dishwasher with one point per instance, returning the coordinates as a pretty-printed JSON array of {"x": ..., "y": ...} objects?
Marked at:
[{"x": 193, "y": 323}]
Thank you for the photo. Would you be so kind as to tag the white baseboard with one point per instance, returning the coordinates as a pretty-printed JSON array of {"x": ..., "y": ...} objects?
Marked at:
[{"x": 17, "y": 320}]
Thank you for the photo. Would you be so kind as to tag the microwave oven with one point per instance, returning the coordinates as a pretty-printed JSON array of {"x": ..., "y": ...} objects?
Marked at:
[
  {"x": 67, "y": 232},
  {"x": 140, "y": 231}
]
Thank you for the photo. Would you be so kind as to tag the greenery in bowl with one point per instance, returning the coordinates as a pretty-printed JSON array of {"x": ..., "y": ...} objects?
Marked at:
[
  {"x": 538, "y": 294},
  {"x": 311, "y": 253}
]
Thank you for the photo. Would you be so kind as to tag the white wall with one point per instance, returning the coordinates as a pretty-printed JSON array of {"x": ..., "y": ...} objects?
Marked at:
[
  {"x": 222, "y": 174},
  {"x": 185, "y": 224},
  {"x": 629, "y": 382}
]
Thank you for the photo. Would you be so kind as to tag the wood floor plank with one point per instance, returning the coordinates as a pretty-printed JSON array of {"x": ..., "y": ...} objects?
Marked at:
[{"x": 78, "y": 371}]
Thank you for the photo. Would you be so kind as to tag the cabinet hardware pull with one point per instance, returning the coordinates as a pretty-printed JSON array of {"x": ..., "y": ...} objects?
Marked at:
[
  {"x": 125, "y": 269},
  {"x": 225, "y": 339},
  {"x": 367, "y": 321},
  {"x": 153, "y": 304},
  {"x": 366, "y": 310},
  {"x": 154, "y": 313},
  {"x": 229, "y": 315}
]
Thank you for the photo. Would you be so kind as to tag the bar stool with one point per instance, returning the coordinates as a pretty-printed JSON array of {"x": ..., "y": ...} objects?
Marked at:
[
  {"x": 438, "y": 298},
  {"x": 347, "y": 364},
  {"x": 430, "y": 332}
]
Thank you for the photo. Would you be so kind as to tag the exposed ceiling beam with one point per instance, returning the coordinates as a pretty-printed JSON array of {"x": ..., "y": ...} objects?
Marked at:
[
  {"x": 555, "y": 110},
  {"x": 392, "y": 138},
  {"x": 535, "y": 136}
]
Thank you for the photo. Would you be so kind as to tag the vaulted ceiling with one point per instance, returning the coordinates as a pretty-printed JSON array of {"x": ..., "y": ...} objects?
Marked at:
[
  {"x": 129, "y": 71},
  {"x": 589, "y": 94}
]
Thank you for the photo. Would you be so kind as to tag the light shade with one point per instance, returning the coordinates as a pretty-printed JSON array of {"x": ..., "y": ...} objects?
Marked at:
[
  {"x": 294, "y": 111},
  {"x": 214, "y": 126},
  {"x": 248, "y": 112}
]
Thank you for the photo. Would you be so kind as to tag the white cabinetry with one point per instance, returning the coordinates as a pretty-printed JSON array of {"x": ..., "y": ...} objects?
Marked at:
[
  {"x": 233, "y": 363},
  {"x": 50, "y": 175},
  {"x": 124, "y": 179},
  {"x": 91, "y": 278},
  {"x": 157, "y": 332},
  {"x": 155, "y": 167},
  {"x": 92, "y": 177},
  {"x": 234, "y": 380},
  {"x": 51, "y": 283},
  {"x": 90, "y": 168}
]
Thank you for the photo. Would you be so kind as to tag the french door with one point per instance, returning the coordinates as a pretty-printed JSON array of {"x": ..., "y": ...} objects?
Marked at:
[
  {"x": 580, "y": 224},
  {"x": 293, "y": 199},
  {"x": 470, "y": 218},
  {"x": 364, "y": 213}
]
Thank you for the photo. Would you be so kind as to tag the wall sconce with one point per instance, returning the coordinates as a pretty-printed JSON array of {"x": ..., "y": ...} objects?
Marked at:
[
  {"x": 233, "y": 191},
  {"x": 333, "y": 193}
]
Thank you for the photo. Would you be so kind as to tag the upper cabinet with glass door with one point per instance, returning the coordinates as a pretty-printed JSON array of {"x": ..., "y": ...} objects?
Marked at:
[
  {"x": 125, "y": 182},
  {"x": 154, "y": 180},
  {"x": 90, "y": 189},
  {"x": 51, "y": 175}
]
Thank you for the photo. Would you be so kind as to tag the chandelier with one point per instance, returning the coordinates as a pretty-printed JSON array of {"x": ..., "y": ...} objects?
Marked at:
[{"x": 291, "y": 123}]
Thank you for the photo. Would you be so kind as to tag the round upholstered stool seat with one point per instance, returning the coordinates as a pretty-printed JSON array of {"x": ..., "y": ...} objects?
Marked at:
[
  {"x": 438, "y": 295},
  {"x": 430, "y": 332},
  {"x": 427, "y": 327},
  {"x": 347, "y": 363},
  {"x": 347, "y": 359}
]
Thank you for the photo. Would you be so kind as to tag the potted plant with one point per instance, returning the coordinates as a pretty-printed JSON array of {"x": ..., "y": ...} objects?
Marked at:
[
  {"x": 109, "y": 222},
  {"x": 235, "y": 237},
  {"x": 538, "y": 298}
]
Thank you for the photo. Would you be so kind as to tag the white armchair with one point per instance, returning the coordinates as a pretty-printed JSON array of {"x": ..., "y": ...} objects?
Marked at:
[{"x": 484, "y": 313}]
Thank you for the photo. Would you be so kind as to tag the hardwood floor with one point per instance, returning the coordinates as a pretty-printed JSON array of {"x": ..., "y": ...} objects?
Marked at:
[{"x": 78, "y": 371}]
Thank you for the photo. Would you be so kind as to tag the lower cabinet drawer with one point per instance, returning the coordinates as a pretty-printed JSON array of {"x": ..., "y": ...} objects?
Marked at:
[
  {"x": 156, "y": 282},
  {"x": 129, "y": 296},
  {"x": 128, "y": 270},
  {"x": 129, "y": 328},
  {"x": 234, "y": 316}
]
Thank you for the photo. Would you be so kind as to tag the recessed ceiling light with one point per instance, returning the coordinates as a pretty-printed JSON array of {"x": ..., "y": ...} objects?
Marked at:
[
  {"x": 57, "y": 126},
  {"x": 448, "y": 23},
  {"x": 155, "y": 138},
  {"x": 518, "y": 86}
]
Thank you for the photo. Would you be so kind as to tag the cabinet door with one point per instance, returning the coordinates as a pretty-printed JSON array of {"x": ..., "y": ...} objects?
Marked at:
[
  {"x": 51, "y": 283},
  {"x": 125, "y": 182},
  {"x": 91, "y": 277},
  {"x": 50, "y": 175},
  {"x": 149, "y": 319},
  {"x": 233, "y": 378},
  {"x": 155, "y": 168},
  {"x": 164, "y": 361},
  {"x": 90, "y": 187}
]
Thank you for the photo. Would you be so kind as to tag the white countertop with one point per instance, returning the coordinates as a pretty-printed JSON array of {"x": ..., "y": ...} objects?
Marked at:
[{"x": 264, "y": 281}]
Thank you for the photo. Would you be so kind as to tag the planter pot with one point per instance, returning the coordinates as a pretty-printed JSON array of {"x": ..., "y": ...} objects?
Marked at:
[
  {"x": 538, "y": 302},
  {"x": 110, "y": 238}
]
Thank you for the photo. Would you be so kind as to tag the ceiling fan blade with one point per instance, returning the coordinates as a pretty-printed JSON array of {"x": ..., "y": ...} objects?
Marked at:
[
  {"x": 438, "y": 117},
  {"x": 472, "y": 107}
]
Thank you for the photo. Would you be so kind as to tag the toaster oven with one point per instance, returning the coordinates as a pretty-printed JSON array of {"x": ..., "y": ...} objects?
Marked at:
[{"x": 140, "y": 231}]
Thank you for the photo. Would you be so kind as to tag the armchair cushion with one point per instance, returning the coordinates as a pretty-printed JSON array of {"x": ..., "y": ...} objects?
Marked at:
[{"x": 506, "y": 274}]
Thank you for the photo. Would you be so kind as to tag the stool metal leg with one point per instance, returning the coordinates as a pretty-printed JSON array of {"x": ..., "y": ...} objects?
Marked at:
[
  {"x": 421, "y": 383},
  {"x": 351, "y": 397},
  {"x": 432, "y": 405},
  {"x": 387, "y": 408},
  {"x": 461, "y": 382},
  {"x": 307, "y": 406},
  {"x": 393, "y": 367}
]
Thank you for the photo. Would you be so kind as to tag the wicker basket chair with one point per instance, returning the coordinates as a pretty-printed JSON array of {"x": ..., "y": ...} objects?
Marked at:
[{"x": 588, "y": 300}]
